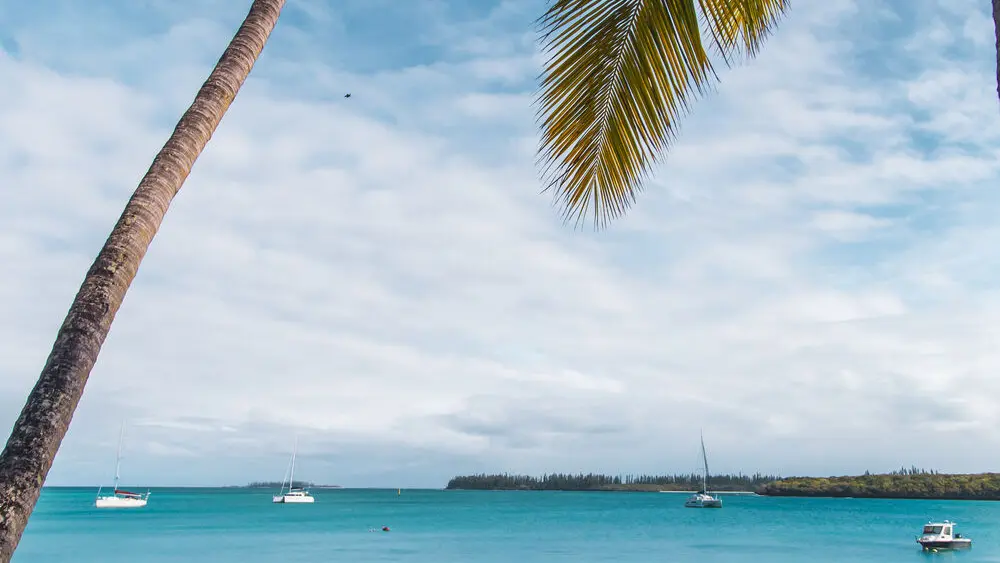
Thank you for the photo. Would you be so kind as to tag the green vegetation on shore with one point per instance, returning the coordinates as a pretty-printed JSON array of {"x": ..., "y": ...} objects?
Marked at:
[
  {"x": 911, "y": 483},
  {"x": 906, "y": 483},
  {"x": 278, "y": 485},
  {"x": 595, "y": 482}
]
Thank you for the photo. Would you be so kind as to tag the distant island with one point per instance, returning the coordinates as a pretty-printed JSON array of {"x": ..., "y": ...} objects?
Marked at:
[
  {"x": 910, "y": 483},
  {"x": 278, "y": 485},
  {"x": 596, "y": 482}
]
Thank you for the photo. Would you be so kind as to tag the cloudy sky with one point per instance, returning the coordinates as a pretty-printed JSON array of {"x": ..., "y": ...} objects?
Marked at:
[{"x": 809, "y": 277}]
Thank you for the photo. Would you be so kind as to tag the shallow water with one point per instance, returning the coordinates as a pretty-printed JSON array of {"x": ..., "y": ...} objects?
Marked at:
[{"x": 238, "y": 525}]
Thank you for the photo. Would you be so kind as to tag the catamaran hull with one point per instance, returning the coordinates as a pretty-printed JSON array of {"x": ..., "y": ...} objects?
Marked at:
[
  {"x": 118, "y": 502},
  {"x": 704, "y": 504},
  {"x": 292, "y": 500}
]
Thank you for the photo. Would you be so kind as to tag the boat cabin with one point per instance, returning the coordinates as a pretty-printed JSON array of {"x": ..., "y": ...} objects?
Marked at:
[{"x": 937, "y": 530}]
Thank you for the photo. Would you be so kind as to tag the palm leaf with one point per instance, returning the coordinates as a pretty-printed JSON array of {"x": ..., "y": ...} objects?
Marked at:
[
  {"x": 741, "y": 26},
  {"x": 619, "y": 75}
]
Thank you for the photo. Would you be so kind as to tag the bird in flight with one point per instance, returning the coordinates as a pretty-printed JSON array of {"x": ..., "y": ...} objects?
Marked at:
[{"x": 348, "y": 95}]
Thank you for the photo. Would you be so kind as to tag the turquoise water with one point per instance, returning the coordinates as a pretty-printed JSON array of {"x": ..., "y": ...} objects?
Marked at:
[{"x": 235, "y": 525}]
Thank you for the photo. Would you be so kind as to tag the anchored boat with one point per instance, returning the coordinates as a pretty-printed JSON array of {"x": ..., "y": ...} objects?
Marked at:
[
  {"x": 940, "y": 535},
  {"x": 119, "y": 498},
  {"x": 294, "y": 495},
  {"x": 702, "y": 499}
]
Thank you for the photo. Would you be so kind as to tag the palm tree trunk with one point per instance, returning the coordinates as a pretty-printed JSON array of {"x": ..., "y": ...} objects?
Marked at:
[
  {"x": 46, "y": 416},
  {"x": 996, "y": 30}
]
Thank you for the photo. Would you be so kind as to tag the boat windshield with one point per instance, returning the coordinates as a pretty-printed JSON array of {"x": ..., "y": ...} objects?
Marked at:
[{"x": 933, "y": 530}]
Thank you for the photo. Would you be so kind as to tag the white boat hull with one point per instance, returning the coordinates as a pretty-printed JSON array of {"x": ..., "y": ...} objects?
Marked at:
[
  {"x": 293, "y": 499},
  {"x": 932, "y": 543},
  {"x": 120, "y": 502},
  {"x": 703, "y": 501}
]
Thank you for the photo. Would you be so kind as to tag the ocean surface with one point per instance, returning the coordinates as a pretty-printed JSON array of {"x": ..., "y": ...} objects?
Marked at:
[{"x": 239, "y": 525}]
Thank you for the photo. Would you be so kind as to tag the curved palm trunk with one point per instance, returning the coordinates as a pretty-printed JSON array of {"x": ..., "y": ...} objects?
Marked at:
[
  {"x": 43, "y": 422},
  {"x": 996, "y": 28}
]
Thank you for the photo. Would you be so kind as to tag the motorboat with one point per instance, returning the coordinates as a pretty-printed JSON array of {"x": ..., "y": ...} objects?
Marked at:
[{"x": 940, "y": 535}]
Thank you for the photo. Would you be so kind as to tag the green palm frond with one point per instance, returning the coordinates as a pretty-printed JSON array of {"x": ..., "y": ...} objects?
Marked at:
[
  {"x": 741, "y": 26},
  {"x": 620, "y": 74}
]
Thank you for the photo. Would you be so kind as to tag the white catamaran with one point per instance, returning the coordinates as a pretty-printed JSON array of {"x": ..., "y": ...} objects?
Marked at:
[
  {"x": 293, "y": 495},
  {"x": 119, "y": 498},
  {"x": 702, "y": 499}
]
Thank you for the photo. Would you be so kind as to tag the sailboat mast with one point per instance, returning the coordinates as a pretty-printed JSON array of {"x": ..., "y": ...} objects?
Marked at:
[
  {"x": 118, "y": 457},
  {"x": 291, "y": 477},
  {"x": 704, "y": 458},
  {"x": 284, "y": 477}
]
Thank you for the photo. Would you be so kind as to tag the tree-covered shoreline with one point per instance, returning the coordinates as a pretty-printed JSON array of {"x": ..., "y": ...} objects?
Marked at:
[
  {"x": 908, "y": 483},
  {"x": 278, "y": 485},
  {"x": 598, "y": 482}
]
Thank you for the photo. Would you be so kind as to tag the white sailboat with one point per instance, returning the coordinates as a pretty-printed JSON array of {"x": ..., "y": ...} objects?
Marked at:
[
  {"x": 702, "y": 499},
  {"x": 120, "y": 498},
  {"x": 293, "y": 495}
]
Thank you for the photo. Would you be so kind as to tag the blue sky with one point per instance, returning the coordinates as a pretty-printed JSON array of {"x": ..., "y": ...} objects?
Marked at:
[{"x": 809, "y": 277}]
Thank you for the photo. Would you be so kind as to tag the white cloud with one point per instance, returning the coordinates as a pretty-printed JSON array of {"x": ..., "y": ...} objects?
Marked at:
[
  {"x": 847, "y": 225},
  {"x": 807, "y": 277}
]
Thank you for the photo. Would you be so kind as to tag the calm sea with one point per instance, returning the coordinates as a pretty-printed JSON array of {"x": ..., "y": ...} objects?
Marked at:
[{"x": 234, "y": 525}]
